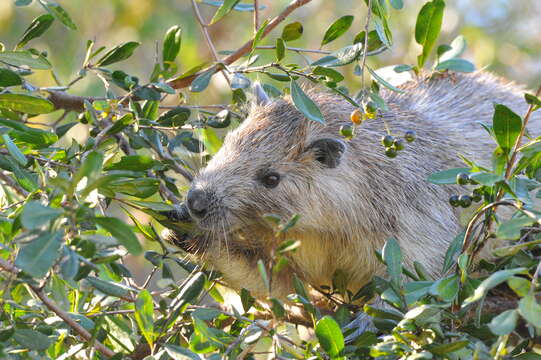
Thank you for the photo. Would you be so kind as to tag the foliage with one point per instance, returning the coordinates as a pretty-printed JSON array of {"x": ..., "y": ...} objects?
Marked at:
[{"x": 67, "y": 249}]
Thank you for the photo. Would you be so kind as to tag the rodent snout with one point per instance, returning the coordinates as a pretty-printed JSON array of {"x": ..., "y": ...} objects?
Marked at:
[{"x": 197, "y": 202}]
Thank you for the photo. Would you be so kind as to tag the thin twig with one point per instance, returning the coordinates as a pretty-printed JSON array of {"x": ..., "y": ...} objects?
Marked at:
[
  {"x": 512, "y": 160},
  {"x": 210, "y": 44},
  {"x": 365, "y": 46},
  {"x": 63, "y": 100},
  {"x": 315, "y": 51},
  {"x": 256, "y": 15},
  {"x": 7, "y": 266}
]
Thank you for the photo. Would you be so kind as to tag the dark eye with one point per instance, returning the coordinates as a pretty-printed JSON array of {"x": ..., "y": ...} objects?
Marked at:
[{"x": 271, "y": 180}]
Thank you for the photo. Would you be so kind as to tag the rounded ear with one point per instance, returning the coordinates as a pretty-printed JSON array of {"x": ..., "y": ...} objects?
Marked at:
[
  {"x": 328, "y": 151},
  {"x": 261, "y": 97}
]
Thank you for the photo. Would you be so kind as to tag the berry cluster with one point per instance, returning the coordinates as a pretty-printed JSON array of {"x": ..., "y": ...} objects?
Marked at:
[
  {"x": 393, "y": 145},
  {"x": 465, "y": 200}
]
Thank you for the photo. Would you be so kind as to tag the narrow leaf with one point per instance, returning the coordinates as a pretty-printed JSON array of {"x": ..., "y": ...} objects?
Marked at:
[
  {"x": 122, "y": 232},
  {"x": 337, "y": 29},
  {"x": 118, "y": 53},
  {"x": 38, "y": 26},
  {"x": 506, "y": 126},
  {"x": 304, "y": 104},
  {"x": 26, "y": 103},
  {"x": 223, "y": 10}
]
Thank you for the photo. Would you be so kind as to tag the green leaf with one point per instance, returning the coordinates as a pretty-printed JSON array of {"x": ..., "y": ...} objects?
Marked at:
[
  {"x": 144, "y": 315},
  {"x": 457, "y": 47},
  {"x": 120, "y": 124},
  {"x": 493, "y": 280},
  {"x": 14, "y": 150},
  {"x": 454, "y": 64},
  {"x": 223, "y": 10},
  {"x": 180, "y": 353},
  {"x": 374, "y": 42},
  {"x": 383, "y": 82},
  {"x": 519, "y": 285},
  {"x": 337, "y": 29},
  {"x": 447, "y": 288},
  {"x": 330, "y": 336},
  {"x": 133, "y": 162},
  {"x": 506, "y": 126},
  {"x": 35, "y": 215},
  {"x": 304, "y": 104},
  {"x": 510, "y": 230},
  {"x": 402, "y": 68},
  {"x": 530, "y": 310},
  {"x": 191, "y": 290},
  {"x": 292, "y": 31},
  {"x": 392, "y": 256},
  {"x": 452, "y": 252},
  {"x": 342, "y": 57},
  {"x": 504, "y": 323},
  {"x": 259, "y": 35},
  {"x": 280, "y": 49},
  {"x": 118, "y": 53},
  {"x": 108, "y": 287},
  {"x": 38, "y": 26},
  {"x": 20, "y": 58},
  {"x": 37, "y": 257},
  {"x": 533, "y": 100},
  {"x": 171, "y": 45},
  {"x": 58, "y": 11},
  {"x": 209, "y": 138},
  {"x": 329, "y": 73},
  {"x": 446, "y": 176},
  {"x": 175, "y": 117},
  {"x": 9, "y": 78},
  {"x": 442, "y": 349},
  {"x": 32, "y": 339},
  {"x": 90, "y": 168},
  {"x": 263, "y": 273},
  {"x": 26, "y": 103},
  {"x": 122, "y": 232},
  {"x": 428, "y": 27},
  {"x": 201, "y": 82}
]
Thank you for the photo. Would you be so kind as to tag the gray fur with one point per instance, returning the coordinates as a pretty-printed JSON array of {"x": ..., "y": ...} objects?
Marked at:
[{"x": 347, "y": 212}]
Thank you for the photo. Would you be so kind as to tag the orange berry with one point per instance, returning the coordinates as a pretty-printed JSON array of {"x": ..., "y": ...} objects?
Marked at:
[{"x": 356, "y": 117}]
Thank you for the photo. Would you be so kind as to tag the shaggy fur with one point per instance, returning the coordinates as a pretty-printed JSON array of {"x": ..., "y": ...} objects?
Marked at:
[{"x": 349, "y": 211}]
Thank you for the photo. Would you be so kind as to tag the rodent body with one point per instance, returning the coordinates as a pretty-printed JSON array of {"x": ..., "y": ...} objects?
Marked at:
[{"x": 351, "y": 197}]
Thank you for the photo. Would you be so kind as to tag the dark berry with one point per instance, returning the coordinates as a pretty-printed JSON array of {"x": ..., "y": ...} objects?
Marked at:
[
  {"x": 390, "y": 152},
  {"x": 462, "y": 179},
  {"x": 477, "y": 195},
  {"x": 465, "y": 200},
  {"x": 409, "y": 135},
  {"x": 453, "y": 200},
  {"x": 387, "y": 140},
  {"x": 398, "y": 144}
]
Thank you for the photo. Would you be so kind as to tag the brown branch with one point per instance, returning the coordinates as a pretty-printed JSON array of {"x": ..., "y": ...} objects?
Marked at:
[
  {"x": 105, "y": 351},
  {"x": 63, "y": 100},
  {"x": 244, "y": 49}
]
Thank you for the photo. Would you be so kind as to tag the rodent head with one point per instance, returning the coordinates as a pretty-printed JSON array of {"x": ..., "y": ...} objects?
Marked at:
[{"x": 276, "y": 162}]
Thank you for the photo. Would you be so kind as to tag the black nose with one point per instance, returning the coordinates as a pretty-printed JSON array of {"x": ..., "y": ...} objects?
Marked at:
[{"x": 197, "y": 202}]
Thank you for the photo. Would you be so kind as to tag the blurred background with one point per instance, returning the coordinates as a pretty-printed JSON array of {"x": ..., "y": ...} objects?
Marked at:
[{"x": 503, "y": 36}]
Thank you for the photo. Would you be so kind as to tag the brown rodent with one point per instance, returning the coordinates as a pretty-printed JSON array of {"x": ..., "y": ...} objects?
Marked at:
[{"x": 350, "y": 196}]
